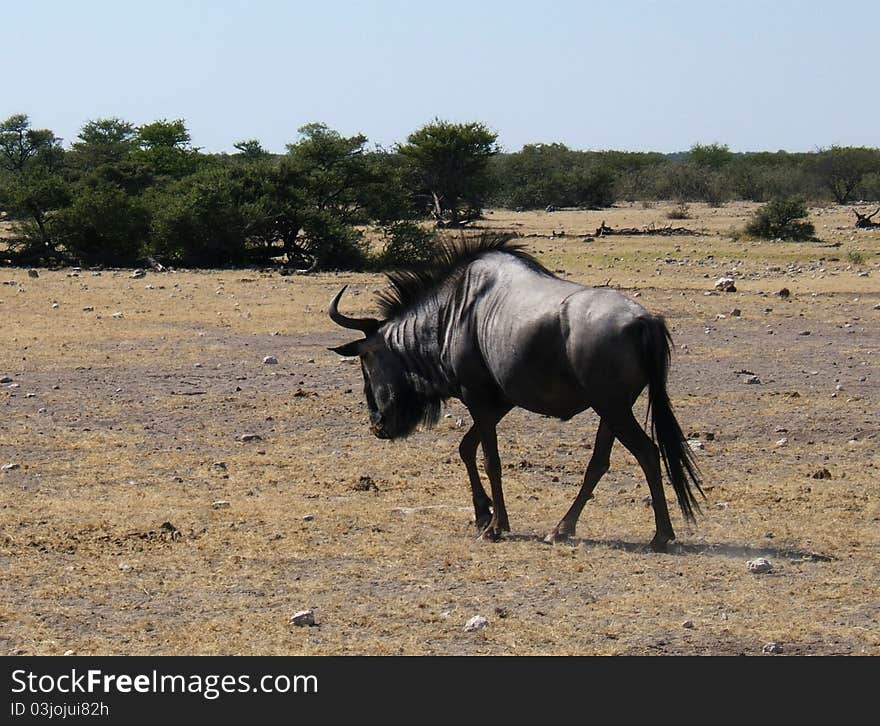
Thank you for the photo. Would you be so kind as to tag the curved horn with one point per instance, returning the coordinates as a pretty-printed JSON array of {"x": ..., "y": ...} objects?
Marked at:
[{"x": 367, "y": 325}]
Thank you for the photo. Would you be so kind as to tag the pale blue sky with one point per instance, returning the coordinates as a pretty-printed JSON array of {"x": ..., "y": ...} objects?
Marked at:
[{"x": 625, "y": 74}]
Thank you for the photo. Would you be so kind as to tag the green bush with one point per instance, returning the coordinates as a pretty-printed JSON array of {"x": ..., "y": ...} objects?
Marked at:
[
  {"x": 102, "y": 226},
  {"x": 781, "y": 219},
  {"x": 407, "y": 244}
]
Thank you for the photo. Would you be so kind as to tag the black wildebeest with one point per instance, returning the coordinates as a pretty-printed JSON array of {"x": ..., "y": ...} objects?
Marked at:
[{"x": 487, "y": 324}]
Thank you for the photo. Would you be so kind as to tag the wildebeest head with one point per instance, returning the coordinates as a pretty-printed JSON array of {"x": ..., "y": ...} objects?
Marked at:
[{"x": 396, "y": 408}]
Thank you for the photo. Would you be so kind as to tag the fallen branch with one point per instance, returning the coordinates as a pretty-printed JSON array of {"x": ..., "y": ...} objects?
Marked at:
[
  {"x": 604, "y": 230},
  {"x": 863, "y": 221}
]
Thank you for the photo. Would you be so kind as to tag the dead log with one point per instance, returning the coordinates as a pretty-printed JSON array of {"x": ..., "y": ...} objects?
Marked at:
[
  {"x": 863, "y": 221},
  {"x": 604, "y": 230}
]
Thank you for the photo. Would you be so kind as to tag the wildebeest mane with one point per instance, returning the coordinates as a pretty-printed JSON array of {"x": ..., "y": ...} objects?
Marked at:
[{"x": 408, "y": 286}]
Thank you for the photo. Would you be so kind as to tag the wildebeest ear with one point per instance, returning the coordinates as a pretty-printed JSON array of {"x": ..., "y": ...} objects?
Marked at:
[{"x": 349, "y": 349}]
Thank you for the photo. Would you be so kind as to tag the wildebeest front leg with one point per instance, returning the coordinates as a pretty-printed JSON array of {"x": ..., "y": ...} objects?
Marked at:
[
  {"x": 597, "y": 467},
  {"x": 467, "y": 449},
  {"x": 498, "y": 523}
]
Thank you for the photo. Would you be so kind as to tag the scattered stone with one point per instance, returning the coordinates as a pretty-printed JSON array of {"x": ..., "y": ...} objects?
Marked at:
[
  {"x": 784, "y": 293},
  {"x": 308, "y": 517},
  {"x": 55, "y": 306},
  {"x": 696, "y": 445},
  {"x": 118, "y": 314},
  {"x": 735, "y": 313},
  {"x": 753, "y": 380},
  {"x": 772, "y": 648},
  {"x": 221, "y": 504},
  {"x": 33, "y": 273},
  {"x": 219, "y": 465},
  {"x": 69, "y": 652},
  {"x": 270, "y": 360},
  {"x": 478, "y": 622},
  {"x": 725, "y": 284},
  {"x": 88, "y": 309},
  {"x": 250, "y": 437},
  {"x": 137, "y": 274},
  {"x": 9, "y": 467},
  {"x": 5, "y": 379},
  {"x": 822, "y": 473},
  {"x": 365, "y": 484},
  {"x": 782, "y": 442},
  {"x": 647, "y": 501},
  {"x": 759, "y": 566},
  {"x": 804, "y": 332},
  {"x": 42, "y": 410},
  {"x": 170, "y": 531},
  {"x": 689, "y": 624},
  {"x": 303, "y": 619}
]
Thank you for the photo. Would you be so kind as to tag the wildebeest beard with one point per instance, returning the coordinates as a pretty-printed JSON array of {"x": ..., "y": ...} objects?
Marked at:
[{"x": 414, "y": 406}]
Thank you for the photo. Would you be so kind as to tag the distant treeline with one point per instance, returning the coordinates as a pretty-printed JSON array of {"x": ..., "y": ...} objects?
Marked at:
[{"x": 122, "y": 194}]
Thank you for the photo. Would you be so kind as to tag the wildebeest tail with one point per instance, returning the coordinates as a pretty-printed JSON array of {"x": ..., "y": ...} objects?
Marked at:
[{"x": 667, "y": 434}]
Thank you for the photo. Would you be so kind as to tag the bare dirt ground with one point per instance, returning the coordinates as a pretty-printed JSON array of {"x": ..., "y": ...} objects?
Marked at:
[{"x": 134, "y": 519}]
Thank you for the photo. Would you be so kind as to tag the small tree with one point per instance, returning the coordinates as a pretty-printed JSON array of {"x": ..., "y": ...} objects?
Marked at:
[
  {"x": 780, "y": 219},
  {"x": 166, "y": 147},
  {"x": 713, "y": 156},
  {"x": 103, "y": 141},
  {"x": 449, "y": 163},
  {"x": 31, "y": 185},
  {"x": 841, "y": 169}
]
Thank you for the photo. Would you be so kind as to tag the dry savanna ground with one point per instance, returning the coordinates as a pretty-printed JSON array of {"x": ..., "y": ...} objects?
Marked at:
[{"x": 135, "y": 520}]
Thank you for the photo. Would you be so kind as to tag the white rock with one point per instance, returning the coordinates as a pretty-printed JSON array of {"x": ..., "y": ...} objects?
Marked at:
[
  {"x": 759, "y": 566},
  {"x": 782, "y": 442},
  {"x": 304, "y": 618},
  {"x": 9, "y": 467},
  {"x": 696, "y": 445},
  {"x": 270, "y": 360},
  {"x": 773, "y": 648},
  {"x": 118, "y": 315},
  {"x": 137, "y": 274},
  {"x": 221, "y": 504},
  {"x": 478, "y": 622}
]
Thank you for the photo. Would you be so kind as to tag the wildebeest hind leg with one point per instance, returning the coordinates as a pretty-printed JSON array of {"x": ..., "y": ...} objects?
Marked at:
[
  {"x": 633, "y": 437},
  {"x": 597, "y": 467}
]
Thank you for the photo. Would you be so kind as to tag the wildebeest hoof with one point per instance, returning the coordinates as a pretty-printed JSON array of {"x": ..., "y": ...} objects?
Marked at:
[
  {"x": 490, "y": 534},
  {"x": 560, "y": 533},
  {"x": 658, "y": 544},
  {"x": 483, "y": 523}
]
